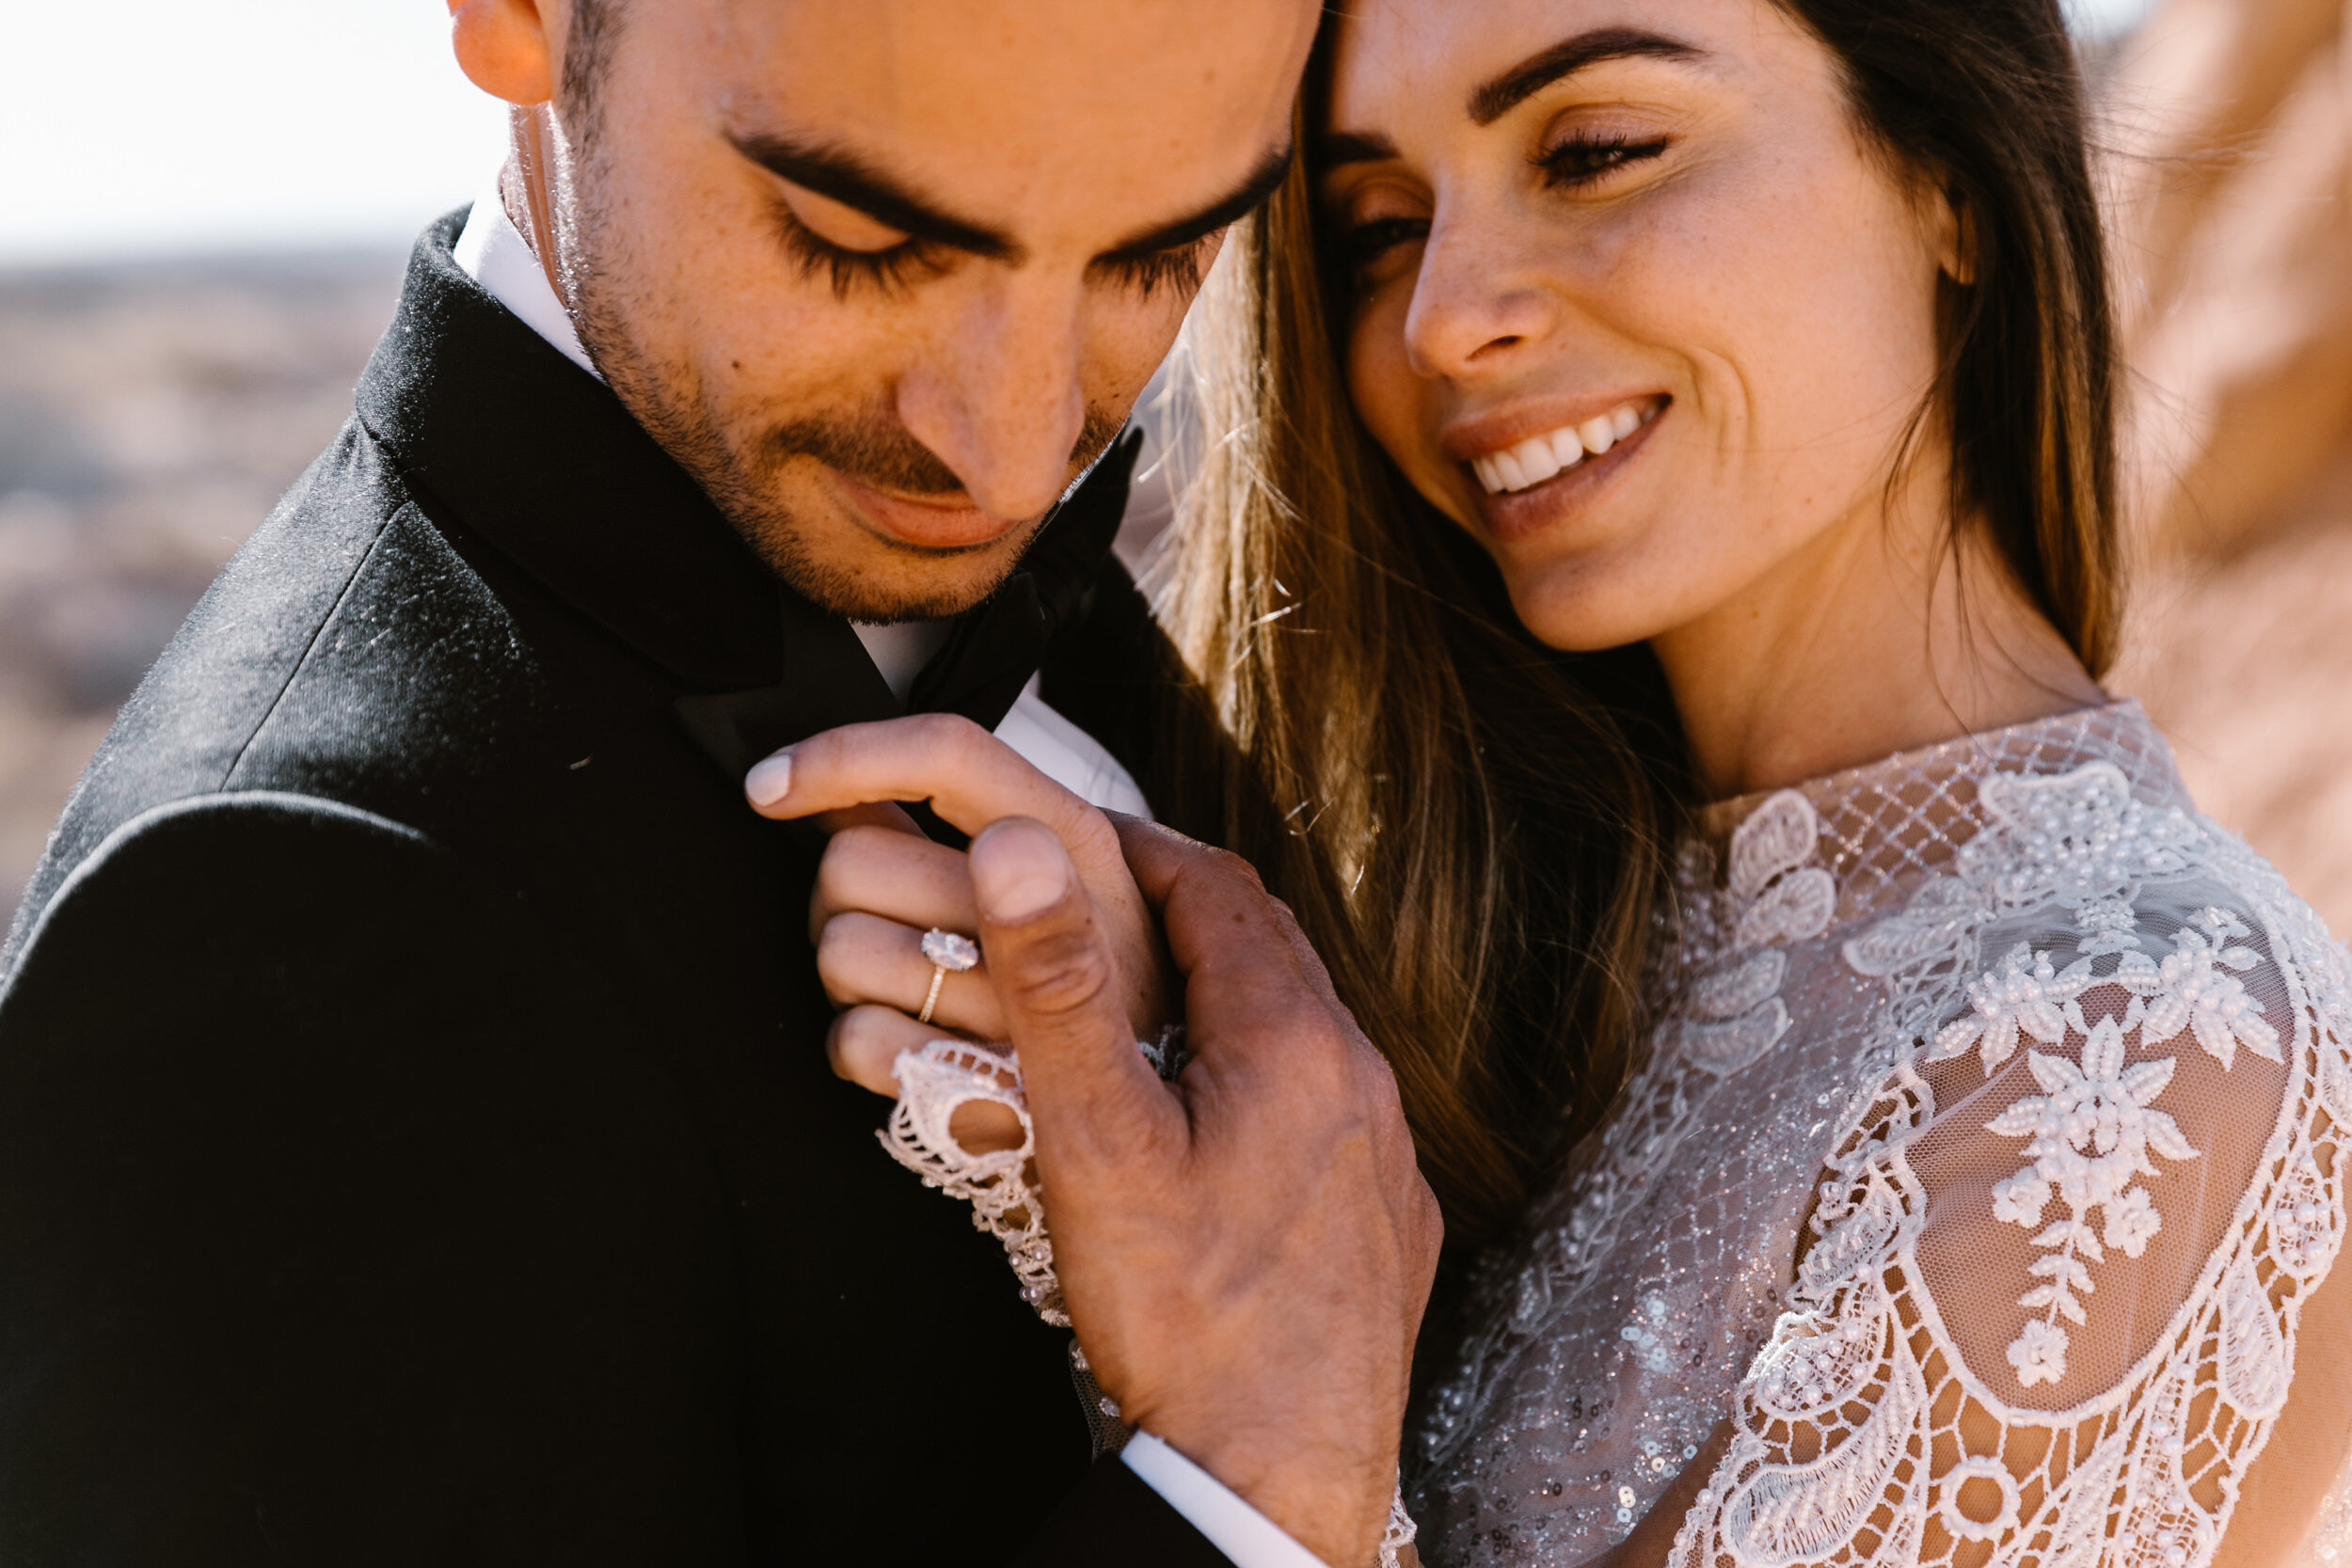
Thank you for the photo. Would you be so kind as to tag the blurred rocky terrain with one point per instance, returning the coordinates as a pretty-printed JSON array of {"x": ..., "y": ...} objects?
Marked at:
[
  {"x": 149, "y": 416},
  {"x": 2232, "y": 128}
]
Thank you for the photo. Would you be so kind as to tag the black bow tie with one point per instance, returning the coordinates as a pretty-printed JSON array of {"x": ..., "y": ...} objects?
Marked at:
[{"x": 830, "y": 680}]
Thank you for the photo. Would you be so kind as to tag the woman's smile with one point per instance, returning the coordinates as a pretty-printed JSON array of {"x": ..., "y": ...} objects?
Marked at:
[{"x": 1539, "y": 480}]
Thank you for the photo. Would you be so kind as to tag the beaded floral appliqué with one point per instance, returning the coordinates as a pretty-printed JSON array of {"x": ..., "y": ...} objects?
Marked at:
[{"x": 2094, "y": 1127}]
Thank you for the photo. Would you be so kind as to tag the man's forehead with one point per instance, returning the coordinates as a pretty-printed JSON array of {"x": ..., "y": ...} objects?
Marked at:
[{"x": 1022, "y": 112}]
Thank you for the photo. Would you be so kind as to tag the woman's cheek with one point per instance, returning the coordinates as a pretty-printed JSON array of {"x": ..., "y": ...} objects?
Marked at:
[{"x": 1391, "y": 398}]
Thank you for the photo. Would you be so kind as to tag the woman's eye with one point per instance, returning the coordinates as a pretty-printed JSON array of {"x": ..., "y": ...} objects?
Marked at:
[
  {"x": 1373, "y": 247},
  {"x": 1582, "y": 161}
]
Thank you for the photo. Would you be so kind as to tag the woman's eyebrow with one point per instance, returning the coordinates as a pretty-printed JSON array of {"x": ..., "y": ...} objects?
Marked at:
[
  {"x": 1351, "y": 147},
  {"x": 1505, "y": 92}
]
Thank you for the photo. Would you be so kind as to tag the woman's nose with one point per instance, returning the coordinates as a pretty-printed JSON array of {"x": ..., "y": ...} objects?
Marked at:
[{"x": 1472, "y": 306}]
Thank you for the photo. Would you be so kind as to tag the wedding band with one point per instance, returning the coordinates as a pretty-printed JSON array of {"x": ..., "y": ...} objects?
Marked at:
[{"x": 949, "y": 953}]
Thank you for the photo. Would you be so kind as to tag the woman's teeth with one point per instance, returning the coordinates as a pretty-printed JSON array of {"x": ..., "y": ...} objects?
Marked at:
[{"x": 1540, "y": 457}]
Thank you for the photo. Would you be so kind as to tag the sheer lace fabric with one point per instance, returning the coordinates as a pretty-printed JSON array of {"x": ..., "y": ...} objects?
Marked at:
[{"x": 1983, "y": 1163}]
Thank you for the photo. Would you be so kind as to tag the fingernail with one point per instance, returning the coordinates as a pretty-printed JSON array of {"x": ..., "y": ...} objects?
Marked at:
[
  {"x": 1018, "y": 871},
  {"x": 769, "y": 780}
]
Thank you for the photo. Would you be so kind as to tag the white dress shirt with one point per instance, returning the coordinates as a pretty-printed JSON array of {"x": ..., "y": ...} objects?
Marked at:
[{"x": 493, "y": 252}]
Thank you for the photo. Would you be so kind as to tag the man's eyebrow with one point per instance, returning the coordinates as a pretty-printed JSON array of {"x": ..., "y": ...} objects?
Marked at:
[
  {"x": 1261, "y": 182},
  {"x": 1507, "y": 92},
  {"x": 844, "y": 177}
]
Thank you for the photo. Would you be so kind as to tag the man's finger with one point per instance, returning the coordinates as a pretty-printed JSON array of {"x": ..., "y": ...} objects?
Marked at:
[
  {"x": 1217, "y": 912},
  {"x": 1244, "y": 959},
  {"x": 1059, "y": 988}
]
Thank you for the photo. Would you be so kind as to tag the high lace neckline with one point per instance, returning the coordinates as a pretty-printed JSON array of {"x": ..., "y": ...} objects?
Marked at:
[{"x": 1886, "y": 823}]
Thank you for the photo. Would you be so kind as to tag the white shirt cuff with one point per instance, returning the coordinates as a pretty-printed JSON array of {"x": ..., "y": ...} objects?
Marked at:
[{"x": 1233, "y": 1526}]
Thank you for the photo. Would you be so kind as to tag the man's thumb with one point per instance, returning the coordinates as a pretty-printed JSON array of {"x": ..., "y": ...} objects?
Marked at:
[{"x": 1058, "y": 984}]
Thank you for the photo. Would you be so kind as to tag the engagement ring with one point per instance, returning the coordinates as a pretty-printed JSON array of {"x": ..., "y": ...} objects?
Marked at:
[{"x": 949, "y": 953}]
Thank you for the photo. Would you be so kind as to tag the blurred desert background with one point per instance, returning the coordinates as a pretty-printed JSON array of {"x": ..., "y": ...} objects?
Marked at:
[{"x": 153, "y": 408}]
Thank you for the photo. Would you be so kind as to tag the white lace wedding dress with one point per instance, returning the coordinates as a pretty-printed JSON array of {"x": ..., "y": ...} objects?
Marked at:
[{"x": 1982, "y": 1177}]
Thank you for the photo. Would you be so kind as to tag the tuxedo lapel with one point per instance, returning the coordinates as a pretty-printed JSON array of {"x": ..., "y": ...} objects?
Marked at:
[{"x": 543, "y": 461}]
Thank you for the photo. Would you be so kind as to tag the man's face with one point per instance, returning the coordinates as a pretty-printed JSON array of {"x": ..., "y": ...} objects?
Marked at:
[{"x": 886, "y": 275}]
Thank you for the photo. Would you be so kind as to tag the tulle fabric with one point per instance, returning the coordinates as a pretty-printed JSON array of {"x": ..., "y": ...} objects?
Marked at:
[{"x": 1980, "y": 1188}]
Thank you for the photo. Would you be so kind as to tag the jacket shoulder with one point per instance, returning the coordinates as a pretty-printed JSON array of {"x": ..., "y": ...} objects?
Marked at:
[{"x": 292, "y": 673}]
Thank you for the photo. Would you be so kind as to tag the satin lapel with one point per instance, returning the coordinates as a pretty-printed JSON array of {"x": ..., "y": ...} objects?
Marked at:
[{"x": 828, "y": 681}]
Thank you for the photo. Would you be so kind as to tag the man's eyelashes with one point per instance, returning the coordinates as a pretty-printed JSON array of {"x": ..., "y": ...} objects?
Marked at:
[
  {"x": 1180, "y": 268},
  {"x": 913, "y": 259},
  {"x": 889, "y": 269}
]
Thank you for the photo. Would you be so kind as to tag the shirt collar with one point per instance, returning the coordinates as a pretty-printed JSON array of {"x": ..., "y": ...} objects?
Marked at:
[{"x": 493, "y": 252}]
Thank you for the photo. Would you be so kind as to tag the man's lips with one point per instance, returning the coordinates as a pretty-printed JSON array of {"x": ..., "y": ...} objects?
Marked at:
[{"x": 927, "y": 525}]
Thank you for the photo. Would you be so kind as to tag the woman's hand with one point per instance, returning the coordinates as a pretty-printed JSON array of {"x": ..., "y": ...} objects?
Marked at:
[{"x": 882, "y": 884}]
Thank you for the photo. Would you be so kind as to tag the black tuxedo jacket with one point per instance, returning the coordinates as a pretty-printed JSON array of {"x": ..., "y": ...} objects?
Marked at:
[{"x": 416, "y": 1141}]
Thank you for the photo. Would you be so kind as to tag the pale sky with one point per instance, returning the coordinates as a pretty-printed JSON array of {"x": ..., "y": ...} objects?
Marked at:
[
  {"x": 138, "y": 127},
  {"x": 131, "y": 127}
]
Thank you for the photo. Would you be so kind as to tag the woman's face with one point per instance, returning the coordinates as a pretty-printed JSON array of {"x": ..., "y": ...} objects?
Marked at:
[{"x": 1635, "y": 301}]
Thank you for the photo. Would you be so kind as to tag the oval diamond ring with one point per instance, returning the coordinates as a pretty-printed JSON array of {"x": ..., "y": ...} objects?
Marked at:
[{"x": 949, "y": 953}]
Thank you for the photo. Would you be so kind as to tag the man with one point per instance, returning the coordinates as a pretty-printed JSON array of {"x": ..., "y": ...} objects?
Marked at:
[{"x": 415, "y": 1143}]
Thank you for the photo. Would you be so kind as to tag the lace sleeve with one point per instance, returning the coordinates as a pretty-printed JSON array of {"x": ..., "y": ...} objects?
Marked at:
[
  {"x": 2047, "y": 1304},
  {"x": 1008, "y": 1202}
]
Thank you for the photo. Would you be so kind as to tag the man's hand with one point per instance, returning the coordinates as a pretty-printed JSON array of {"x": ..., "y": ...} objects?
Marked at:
[{"x": 1246, "y": 1254}]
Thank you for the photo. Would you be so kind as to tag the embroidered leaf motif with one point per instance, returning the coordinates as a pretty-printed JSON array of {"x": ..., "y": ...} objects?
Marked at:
[
  {"x": 2196, "y": 991},
  {"x": 2025, "y": 995}
]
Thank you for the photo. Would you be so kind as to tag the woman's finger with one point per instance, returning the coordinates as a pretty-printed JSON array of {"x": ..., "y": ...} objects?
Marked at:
[
  {"x": 863, "y": 958},
  {"x": 872, "y": 814},
  {"x": 866, "y": 1044},
  {"x": 969, "y": 777},
  {"x": 877, "y": 870}
]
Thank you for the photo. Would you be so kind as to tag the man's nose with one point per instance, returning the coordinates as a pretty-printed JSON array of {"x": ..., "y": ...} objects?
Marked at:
[
  {"x": 999, "y": 398},
  {"x": 1473, "y": 304}
]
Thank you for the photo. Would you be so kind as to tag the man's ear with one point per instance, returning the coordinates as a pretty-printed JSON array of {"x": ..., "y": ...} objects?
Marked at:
[{"x": 505, "y": 47}]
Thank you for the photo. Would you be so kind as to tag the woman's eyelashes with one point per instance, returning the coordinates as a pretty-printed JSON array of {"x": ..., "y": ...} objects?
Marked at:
[
  {"x": 1583, "y": 163},
  {"x": 1374, "y": 247},
  {"x": 1580, "y": 161}
]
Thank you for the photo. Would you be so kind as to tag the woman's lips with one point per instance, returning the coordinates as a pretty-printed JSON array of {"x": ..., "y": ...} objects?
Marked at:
[
  {"x": 1516, "y": 514},
  {"x": 926, "y": 525}
]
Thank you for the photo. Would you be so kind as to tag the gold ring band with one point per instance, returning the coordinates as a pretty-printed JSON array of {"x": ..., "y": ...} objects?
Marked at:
[{"x": 939, "y": 978}]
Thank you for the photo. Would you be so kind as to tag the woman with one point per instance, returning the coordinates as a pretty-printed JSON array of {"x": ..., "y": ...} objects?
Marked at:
[{"x": 1976, "y": 1192}]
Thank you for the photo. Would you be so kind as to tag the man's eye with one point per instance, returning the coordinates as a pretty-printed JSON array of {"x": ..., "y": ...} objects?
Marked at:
[
  {"x": 889, "y": 269},
  {"x": 1583, "y": 161}
]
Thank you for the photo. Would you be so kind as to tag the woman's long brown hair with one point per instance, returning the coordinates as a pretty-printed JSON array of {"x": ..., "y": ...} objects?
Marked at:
[{"x": 1475, "y": 829}]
